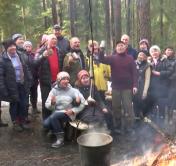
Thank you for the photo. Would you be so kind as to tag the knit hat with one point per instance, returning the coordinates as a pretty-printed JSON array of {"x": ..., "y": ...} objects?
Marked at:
[
  {"x": 57, "y": 26},
  {"x": 16, "y": 36},
  {"x": 154, "y": 47},
  {"x": 61, "y": 75},
  {"x": 82, "y": 73},
  {"x": 27, "y": 43},
  {"x": 8, "y": 43},
  {"x": 144, "y": 41}
]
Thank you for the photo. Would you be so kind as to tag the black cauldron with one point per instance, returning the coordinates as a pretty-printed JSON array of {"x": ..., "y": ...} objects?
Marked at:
[{"x": 95, "y": 149}]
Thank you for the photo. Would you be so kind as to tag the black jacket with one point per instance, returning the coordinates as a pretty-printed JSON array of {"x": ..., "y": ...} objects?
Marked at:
[
  {"x": 8, "y": 85},
  {"x": 43, "y": 66}
]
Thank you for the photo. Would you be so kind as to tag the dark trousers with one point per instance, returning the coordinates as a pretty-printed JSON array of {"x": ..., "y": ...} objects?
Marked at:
[
  {"x": 55, "y": 121},
  {"x": 18, "y": 109},
  {"x": 44, "y": 94},
  {"x": 34, "y": 94}
]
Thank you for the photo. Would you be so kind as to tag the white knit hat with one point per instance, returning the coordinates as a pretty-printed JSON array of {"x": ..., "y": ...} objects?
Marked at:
[
  {"x": 27, "y": 43},
  {"x": 154, "y": 47},
  {"x": 61, "y": 75}
]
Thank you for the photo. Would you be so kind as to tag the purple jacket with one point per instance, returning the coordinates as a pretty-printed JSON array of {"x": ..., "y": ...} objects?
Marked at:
[{"x": 123, "y": 70}]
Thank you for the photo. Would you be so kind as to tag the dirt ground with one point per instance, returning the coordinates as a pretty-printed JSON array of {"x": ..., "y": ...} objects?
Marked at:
[{"x": 31, "y": 148}]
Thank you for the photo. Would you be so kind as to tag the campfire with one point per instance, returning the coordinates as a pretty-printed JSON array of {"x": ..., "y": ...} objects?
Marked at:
[{"x": 165, "y": 156}]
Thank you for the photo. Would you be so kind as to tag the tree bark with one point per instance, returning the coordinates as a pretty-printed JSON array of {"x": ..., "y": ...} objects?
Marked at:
[
  {"x": 117, "y": 20},
  {"x": 54, "y": 12},
  {"x": 72, "y": 13},
  {"x": 108, "y": 24},
  {"x": 45, "y": 18},
  {"x": 143, "y": 8},
  {"x": 128, "y": 18}
]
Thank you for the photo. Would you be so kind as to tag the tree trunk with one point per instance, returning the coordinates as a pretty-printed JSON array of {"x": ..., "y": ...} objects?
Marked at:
[
  {"x": 45, "y": 17},
  {"x": 108, "y": 24},
  {"x": 54, "y": 12},
  {"x": 128, "y": 18},
  {"x": 161, "y": 19},
  {"x": 86, "y": 20},
  {"x": 72, "y": 16},
  {"x": 143, "y": 8},
  {"x": 60, "y": 12},
  {"x": 117, "y": 20}
]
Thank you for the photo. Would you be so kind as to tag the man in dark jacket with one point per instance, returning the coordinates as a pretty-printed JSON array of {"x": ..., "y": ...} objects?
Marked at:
[
  {"x": 62, "y": 43},
  {"x": 15, "y": 83},
  {"x": 130, "y": 51},
  {"x": 124, "y": 83}
]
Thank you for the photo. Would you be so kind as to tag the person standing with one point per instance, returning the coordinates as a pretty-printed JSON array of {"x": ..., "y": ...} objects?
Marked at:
[
  {"x": 74, "y": 60},
  {"x": 49, "y": 64},
  {"x": 129, "y": 49},
  {"x": 124, "y": 84},
  {"x": 34, "y": 70},
  {"x": 63, "y": 43},
  {"x": 16, "y": 82}
]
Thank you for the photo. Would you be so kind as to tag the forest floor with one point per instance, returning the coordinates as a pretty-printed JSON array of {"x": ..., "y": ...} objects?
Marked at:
[{"x": 31, "y": 148}]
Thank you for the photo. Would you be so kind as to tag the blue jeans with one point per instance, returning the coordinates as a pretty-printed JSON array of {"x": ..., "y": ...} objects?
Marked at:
[{"x": 55, "y": 121}]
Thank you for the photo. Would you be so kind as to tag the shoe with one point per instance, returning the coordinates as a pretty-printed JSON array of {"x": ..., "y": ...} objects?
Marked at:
[
  {"x": 3, "y": 124},
  {"x": 57, "y": 144},
  {"x": 60, "y": 140},
  {"x": 25, "y": 126},
  {"x": 17, "y": 127}
]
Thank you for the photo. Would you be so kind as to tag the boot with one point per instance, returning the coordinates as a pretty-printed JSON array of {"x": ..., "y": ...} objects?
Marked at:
[
  {"x": 1, "y": 123},
  {"x": 60, "y": 140}
]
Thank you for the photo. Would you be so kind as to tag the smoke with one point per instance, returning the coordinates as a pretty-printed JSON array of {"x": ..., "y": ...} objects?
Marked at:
[{"x": 96, "y": 136}]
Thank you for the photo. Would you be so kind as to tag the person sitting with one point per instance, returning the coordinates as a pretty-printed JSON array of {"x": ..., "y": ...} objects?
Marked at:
[
  {"x": 95, "y": 112},
  {"x": 62, "y": 100}
]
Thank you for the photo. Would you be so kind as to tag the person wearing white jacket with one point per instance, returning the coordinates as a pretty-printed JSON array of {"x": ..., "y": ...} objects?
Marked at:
[{"x": 65, "y": 102}]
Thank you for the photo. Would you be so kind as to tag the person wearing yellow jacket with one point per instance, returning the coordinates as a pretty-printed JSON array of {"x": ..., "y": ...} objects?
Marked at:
[{"x": 102, "y": 72}]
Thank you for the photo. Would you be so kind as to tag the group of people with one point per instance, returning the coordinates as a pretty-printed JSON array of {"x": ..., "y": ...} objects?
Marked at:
[{"x": 74, "y": 84}]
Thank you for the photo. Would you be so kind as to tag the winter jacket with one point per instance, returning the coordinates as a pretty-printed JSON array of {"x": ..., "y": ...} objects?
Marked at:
[
  {"x": 92, "y": 113},
  {"x": 44, "y": 67},
  {"x": 64, "y": 100},
  {"x": 160, "y": 84},
  {"x": 73, "y": 67},
  {"x": 8, "y": 84},
  {"x": 144, "y": 75},
  {"x": 102, "y": 73},
  {"x": 63, "y": 45},
  {"x": 123, "y": 70}
]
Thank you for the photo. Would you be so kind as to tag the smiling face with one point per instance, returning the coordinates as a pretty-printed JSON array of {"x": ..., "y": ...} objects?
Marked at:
[
  {"x": 155, "y": 54},
  {"x": 19, "y": 42},
  {"x": 64, "y": 82},
  {"x": 169, "y": 52},
  {"x": 75, "y": 43},
  {"x": 125, "y": 39},
  {"x": 120, "y": 48},
  {"x": 85, "y": 80},
  {"x": 11, "y": 50},
  {"x": 142, "y": 57}
]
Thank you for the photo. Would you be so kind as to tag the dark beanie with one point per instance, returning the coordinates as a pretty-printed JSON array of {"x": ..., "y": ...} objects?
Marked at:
[{"x": 8, "y": 43}]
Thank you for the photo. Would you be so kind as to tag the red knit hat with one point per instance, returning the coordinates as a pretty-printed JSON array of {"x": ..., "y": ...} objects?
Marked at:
[{"x": 82, "y": 73}]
